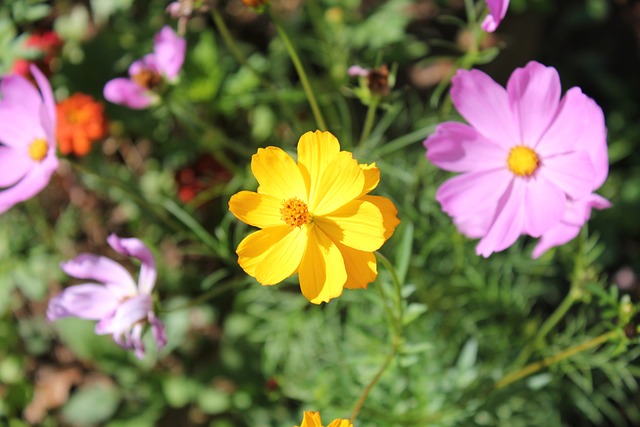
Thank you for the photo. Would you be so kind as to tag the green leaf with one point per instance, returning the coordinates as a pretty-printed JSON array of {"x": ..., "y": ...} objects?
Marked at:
[{"x": 92, "y": 404}]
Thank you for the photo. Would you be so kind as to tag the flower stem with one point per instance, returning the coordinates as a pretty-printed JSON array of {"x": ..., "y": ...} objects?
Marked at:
[
  {"x": 210, "y": 294},
  {"x": 302, "y": 74},
  {"x": 368, "y": 122},
  {"x": 372, "y": 383},
  {"x": 536, "y": 366}
]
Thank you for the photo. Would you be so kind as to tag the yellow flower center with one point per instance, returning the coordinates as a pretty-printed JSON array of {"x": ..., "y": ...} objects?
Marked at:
[
  {"x": 38, "y": 149},
  {"x": 295, "y": 212},
  {"x": 522, "y": 161}
]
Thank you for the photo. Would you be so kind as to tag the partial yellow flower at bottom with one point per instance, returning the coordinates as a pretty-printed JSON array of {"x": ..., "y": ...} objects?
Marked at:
[
  {"x": 312, "y": 419},
  {"x": 316, "y": 218}
]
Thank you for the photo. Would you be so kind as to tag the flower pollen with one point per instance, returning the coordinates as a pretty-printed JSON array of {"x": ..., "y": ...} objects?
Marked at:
[
  {"x": 522, "y": 161},
  {"x": 295, "y": 212},
  {"x": 148, "y": 79},
  {"x": 38, "y": 149}
]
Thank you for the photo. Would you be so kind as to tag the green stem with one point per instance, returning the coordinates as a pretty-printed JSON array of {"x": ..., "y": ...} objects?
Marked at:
[
  {"x": 398, "y": 292},
  {"x": 301, "y": 74},
  {"x": 372, "y": 383},
  {"x": 536, "y": 366},
  {"x": 368, "y": 122},
  {"x": 210, "y": 294},
  {"x": 233, "y": 47}
]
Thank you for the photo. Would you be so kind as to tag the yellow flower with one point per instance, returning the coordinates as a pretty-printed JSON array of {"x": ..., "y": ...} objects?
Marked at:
[
  {"x": 312, "y": 419},
  {"x": 316, "y": 218}
]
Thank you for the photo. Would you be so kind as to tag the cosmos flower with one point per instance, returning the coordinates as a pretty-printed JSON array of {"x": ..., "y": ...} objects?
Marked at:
[
  {"x": 497, "y": 11},
  {"x": 121, "y": 306},
  {"x": 148, "y": 75},
  {"x": 316, "y": 218},
  {"x": 312, "y": 419},
  {"x": 524, "y": 157},
  {"x": 81, "y": 122},
  {"x": 27, "y": 144}
]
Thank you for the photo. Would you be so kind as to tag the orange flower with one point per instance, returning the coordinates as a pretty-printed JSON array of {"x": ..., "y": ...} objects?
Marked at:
[{"x": 81, "y": 121}]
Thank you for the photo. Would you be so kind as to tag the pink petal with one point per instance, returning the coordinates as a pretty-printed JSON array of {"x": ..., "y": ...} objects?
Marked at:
[
  {"x": 484, "y": 104},
  {"x": 125, "y": 92},
  {"x": 86, "y": 301},
  {"x": 534, "y": 96},
  {"x": 126, "y": 315},
  {"x": 469, "y": 193},
  {"x": 594, "y": 140},
  {"x": 457, "y": 147},
  {"x": 135, "y": 248},
  {"x": 559, "y": 235},
  {"x": 567, "y": 129},
  {"x": 157, "y": 330},
  {"x": 14, "y": 165},
  {"x": 169, "y": 50},
  {"x": 149, "y": 62},
  {"x": 102, "y": 270},
  {"x": 497, "y": 11},
  {"x": 572, "y": 172},
  {"x": 475, "y": 224},
  {"x": 48, "y": 116},
  {"x": 544, "y": 204},
  {"x": 32, "y": 183},
  {"x": 508, "y": 223}
]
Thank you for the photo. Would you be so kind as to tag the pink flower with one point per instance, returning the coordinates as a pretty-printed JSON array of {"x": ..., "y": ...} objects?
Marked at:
[
  {"x": 497, "y": 11},
  {"x": 148, "y": 75},
  {"x": 121, "y": 307},
  {"x": 528, "y": 157},
  {"x": 27, "y": 141}
]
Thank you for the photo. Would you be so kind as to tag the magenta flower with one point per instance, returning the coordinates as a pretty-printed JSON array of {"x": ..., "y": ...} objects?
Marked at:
[
  {"x": 528, "y": 157},
  {"x": 497, "y": 11},
  {"x": 121, "y": 307},
  {"x": 27, "y": 142},
  {"x": 148, "y": 75}
]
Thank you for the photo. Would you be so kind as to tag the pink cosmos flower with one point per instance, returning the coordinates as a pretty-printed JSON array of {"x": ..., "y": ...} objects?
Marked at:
[
  {"x": 121, "y": 307},
  {"x": 27, "y": 141},
  {"x": 148, "y": 75},
  {"x": 497, "y": 11},
  {"x": 528, "y": 157}
]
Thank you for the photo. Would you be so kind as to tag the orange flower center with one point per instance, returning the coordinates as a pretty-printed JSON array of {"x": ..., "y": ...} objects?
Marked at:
[
  {"x": 38, "y": 149},
  {"x": 295, "y": 212},
  {"x": 147, "y": 79},
  {"x": 522, "y": 161}
]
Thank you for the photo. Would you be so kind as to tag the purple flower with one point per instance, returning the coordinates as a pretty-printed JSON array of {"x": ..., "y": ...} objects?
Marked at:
[
  {"x": 27, "y": 142},
  {"x": 148, "y": 75},
  {"x": 121, "y": 307},
  {"x": 529, "y": 160},
  {"x": 497, "y": 11}
]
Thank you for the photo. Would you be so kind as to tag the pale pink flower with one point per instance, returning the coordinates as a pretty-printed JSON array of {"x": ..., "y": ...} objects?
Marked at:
[
  {"x": 27, "y": 141},
  {"x": 526, "y": 158},
  {"x": 148, "y": 75},
  {"x": 121, "y": 306},
  {"x": 497, "y": 11}
]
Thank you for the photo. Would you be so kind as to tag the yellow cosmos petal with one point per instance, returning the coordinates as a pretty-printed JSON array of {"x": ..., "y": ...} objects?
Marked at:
[
  {"x": 315, "y": 151},
  {"x": 371, "y": 177},
  {"x": 277, "y": 174},
  {"x": 389, "y": 213},
  {"x": 342, "y": 181},
  {"x": 311, "y": 419},
  {"x": 322, "y": 272},
  {"x": 340, "y": 423},
  {"x": 361, "y": 267},
  {"x": 259, "y": 210},
  {"x": 358, "y": 224},
  {"x": 272, "y": 254}
]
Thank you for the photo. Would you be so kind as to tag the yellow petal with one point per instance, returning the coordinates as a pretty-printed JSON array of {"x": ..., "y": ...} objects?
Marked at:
[
  {"x": 259, "y": 210},
  {"x": 322, "y": 272},
  {"x": 389, "y": 213},
  {"x": 371, "y": 177},
  {"x": 315, "y": 151},
  {"x": 277, "y": 174},
  {"x": 272, "y": 254},
  {"x": 342, "y": 181},
  {"x": 358, "y": 224},
  {"x": 311, "y": 419},
  {"x": 361, "y": 267},
  {"x": 340, "y": 423}
]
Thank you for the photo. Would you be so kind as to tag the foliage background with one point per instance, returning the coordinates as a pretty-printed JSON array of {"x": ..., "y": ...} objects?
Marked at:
[{"x": 254, "y": 356}]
